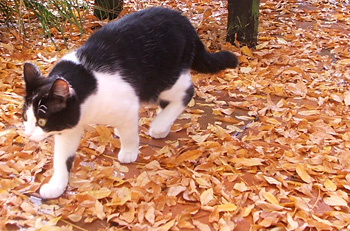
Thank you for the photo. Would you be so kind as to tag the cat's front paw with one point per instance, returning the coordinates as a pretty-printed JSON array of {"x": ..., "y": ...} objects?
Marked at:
[
  {"x": 158, "y": 132},
  {"x": 127, "y": 157},
  {"x": 52, "y": 190}
]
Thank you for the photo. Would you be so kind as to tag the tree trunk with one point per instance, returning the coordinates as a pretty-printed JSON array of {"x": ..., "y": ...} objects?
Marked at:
[
  {"x": 243, "y": 21},
  {"x": 108, "y": 9}
]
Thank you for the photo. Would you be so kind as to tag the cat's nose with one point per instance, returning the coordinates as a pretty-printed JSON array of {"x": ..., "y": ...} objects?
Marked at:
[{"x": 27, "y": 133}]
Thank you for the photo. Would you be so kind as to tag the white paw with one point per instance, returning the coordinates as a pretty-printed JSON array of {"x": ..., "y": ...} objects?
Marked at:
[
  {"x": 157, "y": 131},
  {"x": 127, "y": 157},
  {"x": 52, "y": 190}
]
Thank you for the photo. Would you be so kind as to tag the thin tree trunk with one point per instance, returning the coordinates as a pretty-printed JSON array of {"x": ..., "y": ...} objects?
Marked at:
[
  {"x": 243, "y": 21},
  {"x": 108, "y": 9}
]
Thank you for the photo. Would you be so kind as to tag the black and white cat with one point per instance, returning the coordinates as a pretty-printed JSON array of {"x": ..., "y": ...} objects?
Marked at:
[{"x": 143, "y": 57}]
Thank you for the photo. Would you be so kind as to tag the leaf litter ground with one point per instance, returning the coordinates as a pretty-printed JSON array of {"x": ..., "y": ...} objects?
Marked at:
[{"x": 263, "y": 147}]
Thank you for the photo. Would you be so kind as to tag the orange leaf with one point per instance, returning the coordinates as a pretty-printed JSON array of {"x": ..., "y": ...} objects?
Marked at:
[{"x": 188, "y": 156}]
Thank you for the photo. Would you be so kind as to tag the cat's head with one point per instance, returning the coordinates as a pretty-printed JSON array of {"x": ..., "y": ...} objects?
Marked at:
[{"x": 50, "y": 104}]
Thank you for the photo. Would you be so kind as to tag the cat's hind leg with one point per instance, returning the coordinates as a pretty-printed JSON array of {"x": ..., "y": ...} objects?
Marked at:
[
  {"x": 172, "y": 101},
  {"x": 66, "y": 145}
]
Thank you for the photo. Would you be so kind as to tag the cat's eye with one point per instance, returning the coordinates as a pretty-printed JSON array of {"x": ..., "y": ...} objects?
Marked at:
[{"x": 42, "y": 122}]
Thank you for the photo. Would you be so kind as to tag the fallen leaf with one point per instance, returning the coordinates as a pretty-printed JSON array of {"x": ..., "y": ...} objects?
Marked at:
[
  {"x": 335, "y": 200},
  {"x": 347, "y": 98},
  {"x": 270, "y": 198},
  {"x": 303, "y": 174},
  {"x": 247, "y": 162},
  {"x": 207, "y": 196},
  {"x": 329, "y": 185},
  {"x": 245, "y": 50},
  {"x": 201, "y": 226},
  {"x": 228, "y": 207},
  {"x": 188, "y": 156}
]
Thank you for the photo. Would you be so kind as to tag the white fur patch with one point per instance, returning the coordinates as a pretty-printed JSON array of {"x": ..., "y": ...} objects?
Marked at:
[
  {"x": 117, "y": 102},
  {"x": 178, "y": 90},
  {"x": 71, "y": 57},
  {"x": 32, "y": 131},
  {"x": 161, "y": 125}
]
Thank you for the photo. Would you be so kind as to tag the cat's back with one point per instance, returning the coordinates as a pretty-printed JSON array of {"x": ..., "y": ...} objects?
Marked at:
[
  {"x": 148, "y": 39},
  {"x": 152, "y": 20}
]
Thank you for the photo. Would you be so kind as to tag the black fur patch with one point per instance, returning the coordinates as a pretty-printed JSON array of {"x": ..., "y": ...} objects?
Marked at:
[
  {"x": 80, "y": 78},
  {"x": 163, "y": 103},
  {"x": 188, "y": 96},
  {"x": 69, "y": 163}
]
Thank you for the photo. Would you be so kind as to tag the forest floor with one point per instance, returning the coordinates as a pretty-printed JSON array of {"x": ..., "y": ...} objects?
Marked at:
[{"x": 261, "y": 147}]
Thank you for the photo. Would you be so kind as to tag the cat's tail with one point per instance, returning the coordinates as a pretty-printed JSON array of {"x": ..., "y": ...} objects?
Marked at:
[{"x": 206, "y": 62}]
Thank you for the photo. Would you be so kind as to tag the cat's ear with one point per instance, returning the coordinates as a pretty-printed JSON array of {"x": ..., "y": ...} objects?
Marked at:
[
  {"x": 32, "y": 76},
  {"x": 60, "y": 88},
  {"x": 59, "y": 93}
]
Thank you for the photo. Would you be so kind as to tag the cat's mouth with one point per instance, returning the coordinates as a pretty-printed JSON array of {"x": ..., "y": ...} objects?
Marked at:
[
  {"x": 35, "y": 134},
  {"x": 36, "y": 138}
]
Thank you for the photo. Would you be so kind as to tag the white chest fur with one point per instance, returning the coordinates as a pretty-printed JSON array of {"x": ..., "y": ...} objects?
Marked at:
[{"x": 112, "y": 103}]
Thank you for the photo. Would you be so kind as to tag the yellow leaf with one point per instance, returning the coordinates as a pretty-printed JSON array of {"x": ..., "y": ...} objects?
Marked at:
[
  {"x": 271, "y": 198},
  {"x": 150, "y": 215},
  {"x": 99, "y": 194},
  {"x": 347, "y": 98},
  {"x": 245, "y": 50},
  {"x": 281, "y": 41},
  {"x": 273, "y": 121},
  {"x": 309, "y": 112},
  {"x": 99, "y": 210},
  {"x": 303, "y": 174},
  {"x": 191, "y": 103},
  {"x": 247, "y": 162},
  {"x": 175, "y": 190},
  {"x": 272, "y": 180},
  {"x": 167, "y": 226},
  {"x": 323, "y": 221},
  {"x": 207, "y": 196},
  {"x": 201, "y": 226},
  {"x": 329, "y": 185},
  {"x": 292, "y": 223},
  {"x": 200, "y": 138},
  {"x": 77, "y": 215},
  {"x": 203, "y": 183},
  {"x": 129, "y": 215},
  {"x": 337, "y": 97},
  {"x": 268, "y": 206},
  {"x": 261, "y": 46},
  {"x": 50, "y": 228},
  {"x": 245, "y": 70},
  {"x": 228, "y": 207},
  {"x": 53, "y": 221},
  {"x": 240, "y": 186},
  {"x": 188, "y": 156},
  {"x": 335, "y": 200},
  {"x": 345, "y": 61},
  {"x": 302, "y": 204},
  {"x": 248, "y": 210}
]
